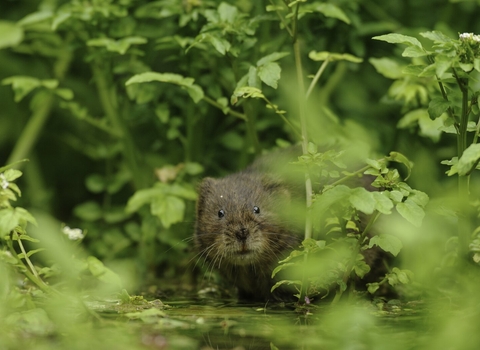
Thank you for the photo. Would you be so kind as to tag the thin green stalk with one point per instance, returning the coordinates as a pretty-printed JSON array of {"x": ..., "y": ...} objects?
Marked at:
[
  {"x": 109, "y": 104},
  {"x": 353, "y": 258},
  {"x": 303, "y": 124},
  {"x": 27, "y": 259},
  {"x": 317, "y": 76},
  {"x": 35, "y": 124},
  {"x": 35, "y": 280},
  {"x": 252, "y": 132},
  {"x": 228, "y": 110},
  {"x": 285, "y": 24},
  {"x": 32, "y": 130},
  {"x": 463, "y": 219}
]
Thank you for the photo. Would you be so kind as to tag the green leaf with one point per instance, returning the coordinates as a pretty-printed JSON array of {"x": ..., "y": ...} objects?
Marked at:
[
  {"x": 195, "y": 91},
  {"x": 413, "y": 69},
  {"x": 414, "y": 51},
  {"x": 362, "y": 200},
  {"x": 35, "y": 17},
  {"x": 220, "y": 44},
  {"x": 437, "y": 37},
  {"x": 271, "y": 58},
  {"x": 402, "y": 276},
  {"x": 386, "y": 242},
  {"x": 333, "y": 11},
  {"x": 411, "y": 211},
  {"x": 30, "y": 253},
  {"x": 389, "y": 68},
  {"x": 331, "y": 56},
  {"x": 287, "y": 282},
  {"x": 396, "y": 196},
  {"x": 12, "y": 174},
  {"x": 400, "y": 158},
  {"x": 383, "y": 204},
  {"x": 169, "y": 210},
  {"x": 103, "y": 273},
  {"x": 419, "y": 197},
  {"x": 437, "y": 107},
  {"x": 21, "y": 85},
  {"x": 469, "y": 158},
  {"x": 12, "y": 217},
  {"x": 11, "y": 36},
  {"x": 395, "y": 38},
  {"x": 142, "y": 197},
  {"x": 269, "y": 73},
  {"x": 331, "y": 197},
  {"x": 373, "y": 287},
  {"x": 121, "y": 46},
  {"x": 361, "y": 267},
  {"x": 281, "y": 267},
  {"x": 88, "y": 211},
  {"x": 227, "y": 12},
  {"x": 185, "y": 191}
]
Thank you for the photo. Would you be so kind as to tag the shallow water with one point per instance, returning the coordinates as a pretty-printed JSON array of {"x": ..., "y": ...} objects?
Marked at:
[{"x": 226, "y": 324}]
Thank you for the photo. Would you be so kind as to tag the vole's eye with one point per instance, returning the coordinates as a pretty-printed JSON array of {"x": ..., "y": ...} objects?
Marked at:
[
  {"x": 256, "y": 210},
  {"x": 221, "y": 213}
]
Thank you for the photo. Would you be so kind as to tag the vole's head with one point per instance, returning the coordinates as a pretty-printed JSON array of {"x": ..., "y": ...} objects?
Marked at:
[{"x": 239, "y": 219}]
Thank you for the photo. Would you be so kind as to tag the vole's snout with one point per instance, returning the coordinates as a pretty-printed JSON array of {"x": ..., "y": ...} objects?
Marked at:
[{"x": 242, "y": 234}]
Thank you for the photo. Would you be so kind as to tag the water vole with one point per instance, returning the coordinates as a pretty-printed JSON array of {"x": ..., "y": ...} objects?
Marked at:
[
  {"x": 240, "y": 230},
  {"x": 244, "y": 226}
]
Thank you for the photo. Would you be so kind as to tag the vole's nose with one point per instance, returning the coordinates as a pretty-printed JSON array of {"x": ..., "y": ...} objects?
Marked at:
[{"x": 242, "y": 234}]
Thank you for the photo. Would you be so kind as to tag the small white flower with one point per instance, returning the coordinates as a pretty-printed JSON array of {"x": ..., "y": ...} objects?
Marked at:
[
  {"x": 465, "y": 36},
  {"x": 470, "y": 36},
  {"x": 3, "y": 181},
  {"x": 73, "y": 234}
]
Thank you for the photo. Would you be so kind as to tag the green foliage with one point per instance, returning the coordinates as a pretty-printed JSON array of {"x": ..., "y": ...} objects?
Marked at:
[{"x": 116, "y": 148}]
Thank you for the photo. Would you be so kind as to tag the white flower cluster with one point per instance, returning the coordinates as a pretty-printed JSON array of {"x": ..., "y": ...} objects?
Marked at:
[
  {"x": 470, "y": 36},
  {"x": 3, "y": 181},
  {"x": 73, "y": 234}
]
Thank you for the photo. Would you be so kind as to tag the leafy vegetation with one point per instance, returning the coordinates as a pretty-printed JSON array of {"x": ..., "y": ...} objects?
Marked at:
[{"x": 121, "y": 107}]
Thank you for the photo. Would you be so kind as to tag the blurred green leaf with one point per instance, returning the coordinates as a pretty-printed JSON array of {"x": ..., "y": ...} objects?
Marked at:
[
  {"x": 12, "y": 34},
  {"x": 362, "y": 200},
  {"x": 269, "y": 73},
  {"x": 195, "y": 91},
  {"x": 469, "y": 158},
  {"x": 388, "y": 243},
  {"x": 437, "y": 107},
  {"x": 411, "y": 211},
  {"x": 331, "y": 56},
  {"x": 388, "y": 67},
  {"x": 169, "y": 209},
  {"x": 120, "y": 46},
  {"x": 103, "y": 273},
  {"x": 331, "y": 10},
  {"x": 395, "y": 38}
]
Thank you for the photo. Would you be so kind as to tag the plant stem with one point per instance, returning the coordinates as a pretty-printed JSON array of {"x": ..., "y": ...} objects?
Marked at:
[
  {"x": 317, "y": 76},
  {"x": 228, "y": 110},
  {"x": 35, "y": 280},
  {"x": 109, "y": 104},
  {"x": 303, "y": 123},
  {"x": 32, "y": 130},
  {"x": 27, "y": 259},
  {"x": 463, "y": 212},
  {"x": 34, "y": 127}
]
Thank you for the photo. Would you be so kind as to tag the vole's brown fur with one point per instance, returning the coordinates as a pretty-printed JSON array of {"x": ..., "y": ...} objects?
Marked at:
[{"x": 240, "y": 230}]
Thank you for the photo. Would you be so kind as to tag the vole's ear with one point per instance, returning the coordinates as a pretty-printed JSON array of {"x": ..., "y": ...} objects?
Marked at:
[
  {"x": 204, "y": 189},
  {"x": 276, "y": 186}
]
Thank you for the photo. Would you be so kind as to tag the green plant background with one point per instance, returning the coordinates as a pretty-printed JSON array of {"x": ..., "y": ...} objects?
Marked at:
[{"x": 100, "y": 150}]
